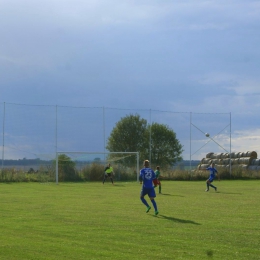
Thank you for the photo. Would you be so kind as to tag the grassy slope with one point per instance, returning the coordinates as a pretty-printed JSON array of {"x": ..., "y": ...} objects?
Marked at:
[{"x": 92, "y": 221}]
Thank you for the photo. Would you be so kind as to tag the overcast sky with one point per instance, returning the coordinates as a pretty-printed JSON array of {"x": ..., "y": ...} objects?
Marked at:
[{"x": 169, "y": 55}]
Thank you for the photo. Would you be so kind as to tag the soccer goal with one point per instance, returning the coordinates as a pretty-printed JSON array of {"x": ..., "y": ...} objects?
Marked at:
[{"x": 70, "y": 164}]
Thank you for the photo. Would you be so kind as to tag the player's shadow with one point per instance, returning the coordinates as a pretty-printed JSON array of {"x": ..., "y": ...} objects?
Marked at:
[
  {"x": 167, "y": 194},
  {"x": 119, "y": 185},
  {"x": 234, "y": 193},
  {"x": 184, "y": 221}
]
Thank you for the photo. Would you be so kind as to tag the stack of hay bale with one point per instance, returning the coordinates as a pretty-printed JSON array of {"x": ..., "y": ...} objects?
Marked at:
[{"x": 246, "y": 160}]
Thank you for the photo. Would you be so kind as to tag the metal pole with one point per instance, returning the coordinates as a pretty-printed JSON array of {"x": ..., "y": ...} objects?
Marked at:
[
  {"x": 56, "y": 137},
  {"x": 137, "y": 166},
  {"x": 230, "y": 168},
  {"x": 104, "y": 132},
  {"x": 3, "y": 151},
  {"x": 150, "y": 142},
  {"x": 190, "y": 141}
]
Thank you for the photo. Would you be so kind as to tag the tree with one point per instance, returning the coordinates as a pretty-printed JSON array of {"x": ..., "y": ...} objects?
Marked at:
[
  {"x": 132, "y": 134},
  {"x": 67, "y": 171},
  {"x": 128, "y": 135},
  {"x": 166, "y": 149}
]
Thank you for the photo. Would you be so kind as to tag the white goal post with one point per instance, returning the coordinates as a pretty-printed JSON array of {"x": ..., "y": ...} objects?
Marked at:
[{"x": 82, "y": 154}]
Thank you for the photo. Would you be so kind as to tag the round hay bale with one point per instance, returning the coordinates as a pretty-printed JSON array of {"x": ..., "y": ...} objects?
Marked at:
[
  {"x": 225, "y": 161},
  {"x": 258, "y": 168},
  {"x": 204, "y": 166},
  {"x": 225, "y": 155},
  {"x": 239, "y": 155},
  {"x": 245, "y": 160},
  {"x": 233, "y": 155},
  {"x": 236, "y": 155},
  {"x": 217, "y": 161},
  {"x": 252, "y": 154},
  {"x": 243, "y": 154},
  {"x": 255, "y": 162},
  {"x": 213, "y": 156},
  {"x": 208, "y": 155},
  {"x": 252, "y": 167},
  {"x": 236, "y": 161},
  {"x": 244, "y": 166},
  {"x": 206, "y": 161},
  {"x": 218, "y": 155}
]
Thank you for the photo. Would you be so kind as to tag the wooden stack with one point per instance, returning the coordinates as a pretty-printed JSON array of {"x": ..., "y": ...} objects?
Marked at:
[{"x": 245, "y": 160}]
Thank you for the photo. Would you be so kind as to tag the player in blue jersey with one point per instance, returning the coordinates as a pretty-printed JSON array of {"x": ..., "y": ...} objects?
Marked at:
[
  {"x": 146, "y": 178},
  {"x": 212, "y": 170}
]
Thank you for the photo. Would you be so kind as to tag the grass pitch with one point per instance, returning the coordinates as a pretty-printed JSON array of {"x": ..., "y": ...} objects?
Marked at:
[{"x": 95, "y": 221}]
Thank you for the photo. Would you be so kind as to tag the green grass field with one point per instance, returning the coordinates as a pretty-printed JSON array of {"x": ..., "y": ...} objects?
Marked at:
[{"x": 95, "y": 221}]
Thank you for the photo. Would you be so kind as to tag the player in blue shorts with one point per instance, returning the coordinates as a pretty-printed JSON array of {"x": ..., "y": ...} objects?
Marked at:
[
  {"x": 212, "y": 176},
  {"x": 146, "y": 178}
]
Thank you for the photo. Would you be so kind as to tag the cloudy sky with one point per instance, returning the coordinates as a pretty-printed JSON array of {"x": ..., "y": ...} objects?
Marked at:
[{"x": 169, "y": 55}]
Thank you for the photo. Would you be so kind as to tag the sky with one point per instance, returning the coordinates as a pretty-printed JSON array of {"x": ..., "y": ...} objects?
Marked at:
[{"x": 168, "y": 55}]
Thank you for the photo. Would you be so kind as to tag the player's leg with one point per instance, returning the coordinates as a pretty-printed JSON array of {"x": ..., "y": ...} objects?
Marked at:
[
  {"x": 160, "y": 186},
  {"x": 207, "y": 183},
  {"x": 211, "y": 185},
  {"x": 105, "y": 176},
  {"x": 152, "y": 195},
  {"x": 111, "y": 178},
  {"x": 143, "y": 193}
]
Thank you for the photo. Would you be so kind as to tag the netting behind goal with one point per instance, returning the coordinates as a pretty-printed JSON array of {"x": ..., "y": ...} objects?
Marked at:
[{"x": 89, "y": 166}]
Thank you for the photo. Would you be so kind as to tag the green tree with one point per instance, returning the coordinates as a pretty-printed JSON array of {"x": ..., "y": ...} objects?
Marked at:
[
  {"x": 132, "y": 134},
  {"x": 166, "y": 149},
  {"x": 66, "y": 168},
  {"x": 129, "y": 135}
]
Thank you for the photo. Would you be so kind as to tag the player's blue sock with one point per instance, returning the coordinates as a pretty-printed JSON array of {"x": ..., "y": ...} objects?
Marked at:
[
  {"x": 144, "y": 202},
  {"x": 154, "y": 205}
]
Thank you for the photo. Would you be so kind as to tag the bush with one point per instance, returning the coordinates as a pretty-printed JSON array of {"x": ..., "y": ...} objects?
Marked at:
[{"x": 95, "y": 172}]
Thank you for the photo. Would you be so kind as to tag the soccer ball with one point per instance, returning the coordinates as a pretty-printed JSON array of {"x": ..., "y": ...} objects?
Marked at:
[{"x": 207, "y": 134}]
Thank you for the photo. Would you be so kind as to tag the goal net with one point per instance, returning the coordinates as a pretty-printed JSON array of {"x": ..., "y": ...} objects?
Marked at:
[{"x": 73, "y": 166}]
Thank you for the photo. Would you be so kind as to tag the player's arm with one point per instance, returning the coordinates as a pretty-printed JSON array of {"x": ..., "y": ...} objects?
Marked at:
[{"x": 140, "y": 179}]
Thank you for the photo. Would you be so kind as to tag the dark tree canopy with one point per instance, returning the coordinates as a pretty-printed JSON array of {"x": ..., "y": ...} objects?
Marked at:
[
  {"x": 165, "y": 147},
  {"x": 128, "y": 135},
  {"x": 66, "y": 166}
]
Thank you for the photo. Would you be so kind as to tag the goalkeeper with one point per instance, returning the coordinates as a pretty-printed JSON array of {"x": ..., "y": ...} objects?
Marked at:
[
  {"x": 108, "y": 173},
  {"x": 156, "y": 181}
]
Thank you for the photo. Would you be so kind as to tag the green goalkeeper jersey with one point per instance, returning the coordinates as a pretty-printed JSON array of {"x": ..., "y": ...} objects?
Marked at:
[{"x": 157, "y": 173}]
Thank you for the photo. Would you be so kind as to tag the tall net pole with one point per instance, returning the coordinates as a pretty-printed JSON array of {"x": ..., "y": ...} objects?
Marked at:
[
  {"x": 56, "y": 139},
  {"x": 3, "y": 151},
  {"x": 230, "y": 168}
]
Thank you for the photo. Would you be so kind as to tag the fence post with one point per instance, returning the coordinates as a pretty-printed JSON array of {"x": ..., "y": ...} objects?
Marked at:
[{"x": 3, "y": 151}]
